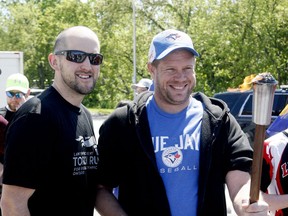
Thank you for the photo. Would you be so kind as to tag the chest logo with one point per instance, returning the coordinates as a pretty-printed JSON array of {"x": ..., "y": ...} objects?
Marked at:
[
  {"x": 172, "y": 157},
  {"x": 86, "y": 141}
]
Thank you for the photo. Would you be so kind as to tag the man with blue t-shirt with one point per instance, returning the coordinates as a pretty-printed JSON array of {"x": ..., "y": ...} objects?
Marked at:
[{"x": 171, "y": 152}]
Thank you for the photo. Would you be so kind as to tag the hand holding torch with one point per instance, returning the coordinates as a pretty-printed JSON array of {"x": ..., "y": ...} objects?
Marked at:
[{"x": 264, "y": 86}]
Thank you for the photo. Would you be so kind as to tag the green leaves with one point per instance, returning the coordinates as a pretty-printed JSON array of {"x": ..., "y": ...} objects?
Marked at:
[{"x": 234, "y": 38}]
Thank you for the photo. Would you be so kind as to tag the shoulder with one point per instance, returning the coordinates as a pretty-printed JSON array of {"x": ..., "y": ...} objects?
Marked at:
[
  {"x": 142, "y": 98},
  {"x": 3, "y": 111},
  {"x": 3, "y": 125},
  {"x": 277, "y": 141},
  {"x": 124, "y": 103},
  {"x": 30, "y": 106},
  {"x": 212, "y": 106},
  {"x": 3, "y": 121}
]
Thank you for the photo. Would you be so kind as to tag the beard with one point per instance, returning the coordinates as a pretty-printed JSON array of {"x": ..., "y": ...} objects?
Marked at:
[{"x": 78, "y": 84}]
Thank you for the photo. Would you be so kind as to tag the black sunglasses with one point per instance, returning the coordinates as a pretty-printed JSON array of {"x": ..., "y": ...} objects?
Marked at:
[
  {"x": 18, "y": 95},
  {"x": 80, "y": 56}
]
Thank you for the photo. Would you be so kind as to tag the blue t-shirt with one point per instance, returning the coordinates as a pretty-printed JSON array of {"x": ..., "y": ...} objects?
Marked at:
[{"x": 176, "y": 140}]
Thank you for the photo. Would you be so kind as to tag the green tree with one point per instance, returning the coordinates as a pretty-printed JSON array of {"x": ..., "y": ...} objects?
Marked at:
[{"x": 235, "y": 38}]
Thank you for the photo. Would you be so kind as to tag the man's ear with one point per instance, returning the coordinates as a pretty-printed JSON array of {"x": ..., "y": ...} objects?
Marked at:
[
  {"x": 28, "y": 93},
  {"x": 53, "y": 61},
  {"x": 151, "y": 69}
]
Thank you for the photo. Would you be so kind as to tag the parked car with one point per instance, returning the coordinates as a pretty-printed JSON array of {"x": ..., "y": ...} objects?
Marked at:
[{"x": 240, "y": 105}]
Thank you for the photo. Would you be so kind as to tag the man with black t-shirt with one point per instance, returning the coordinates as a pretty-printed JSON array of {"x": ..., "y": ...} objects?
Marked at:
[{"x": 50, "y": 157}]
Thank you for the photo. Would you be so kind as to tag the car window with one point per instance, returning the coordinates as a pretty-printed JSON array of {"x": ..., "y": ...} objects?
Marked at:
[
  {"x": 247, "y": 107},
  {"x": 280, "y": 101}
]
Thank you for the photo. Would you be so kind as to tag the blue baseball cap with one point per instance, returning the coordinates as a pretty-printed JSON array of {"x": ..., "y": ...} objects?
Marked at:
[{"x": 167, "y": 41}]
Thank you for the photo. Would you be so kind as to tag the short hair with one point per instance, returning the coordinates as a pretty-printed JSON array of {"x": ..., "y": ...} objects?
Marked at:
[{"x": 60, "y": 42}]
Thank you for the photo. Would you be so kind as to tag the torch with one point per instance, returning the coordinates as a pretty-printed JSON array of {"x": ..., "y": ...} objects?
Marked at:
[{"x": 264, "y": 86}]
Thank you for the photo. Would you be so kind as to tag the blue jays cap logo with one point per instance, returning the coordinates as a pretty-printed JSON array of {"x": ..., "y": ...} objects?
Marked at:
[{"x": 173, "y": 36}]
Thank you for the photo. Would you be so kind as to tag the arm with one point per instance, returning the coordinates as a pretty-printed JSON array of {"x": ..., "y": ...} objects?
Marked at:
[
  {"x": 276, "y": 201},
  {"x": 106, "y": 203},
  {"x": 238, "y": 183},
  {"x": 274, "y": 149},
  {"x": 14, "y": 200}
]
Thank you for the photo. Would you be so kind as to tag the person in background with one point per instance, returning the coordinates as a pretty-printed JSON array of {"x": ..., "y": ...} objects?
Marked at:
[
  {"x": 50, "y": 158},
  {"x": 17, "y": 93},
  {"x": 142, "y": 86},
  {"x": 172, "y": 152},
  {"x": 274, "y": 180},
  {"x": 3, "y": 124},
  {"x": 279, "y": 124}
]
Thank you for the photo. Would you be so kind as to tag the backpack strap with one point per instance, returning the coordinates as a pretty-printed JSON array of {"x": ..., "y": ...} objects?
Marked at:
[{"x": 140, "y": 100}]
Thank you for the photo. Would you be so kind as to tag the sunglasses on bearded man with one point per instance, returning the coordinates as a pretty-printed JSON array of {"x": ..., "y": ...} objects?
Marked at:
[
  {"x": 78, "y": 56},
  {"x": 17, "y": 95}
]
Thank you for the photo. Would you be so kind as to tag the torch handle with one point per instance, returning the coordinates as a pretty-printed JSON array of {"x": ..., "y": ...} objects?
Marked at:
[{"x": 257, "y": 163}]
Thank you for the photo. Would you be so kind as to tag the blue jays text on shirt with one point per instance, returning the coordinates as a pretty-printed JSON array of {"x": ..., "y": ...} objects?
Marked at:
[{"x": 172, "y": 154}]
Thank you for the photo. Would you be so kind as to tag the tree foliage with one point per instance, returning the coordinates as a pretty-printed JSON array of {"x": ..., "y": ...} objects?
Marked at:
[{"x": 235, "y": 38}]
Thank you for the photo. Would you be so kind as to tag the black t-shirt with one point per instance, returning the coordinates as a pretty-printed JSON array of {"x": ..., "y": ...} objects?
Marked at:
[
  {"x": 50, "y": 147},
  {"x": 7, "y": 114}
]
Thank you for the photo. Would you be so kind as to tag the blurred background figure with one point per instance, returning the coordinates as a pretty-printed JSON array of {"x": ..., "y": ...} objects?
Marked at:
[
  {"x": 17, "y": 92},
  {"x": 279, "y": 124},
  {"x": 143, "y": 85},
  {"x": 275, "y": 172},
  {"x": 3, "y": 124}
]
